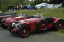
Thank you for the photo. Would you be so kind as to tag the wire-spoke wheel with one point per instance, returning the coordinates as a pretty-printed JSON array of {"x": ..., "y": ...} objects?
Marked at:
[
  {"x": 24, "y": 31},
  {"x": 59, "y": 25},
  {"x": 42, "y": 25}
]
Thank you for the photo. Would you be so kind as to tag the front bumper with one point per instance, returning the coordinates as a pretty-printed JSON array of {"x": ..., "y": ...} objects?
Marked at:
[{"x": 15, "y": 31}]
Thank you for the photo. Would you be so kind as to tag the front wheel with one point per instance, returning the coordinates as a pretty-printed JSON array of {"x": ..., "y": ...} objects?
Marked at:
[
  {"x": 59, "y": 25},
  {"x": 10, "y": 27},
  {"x": 24, "y": 31}
]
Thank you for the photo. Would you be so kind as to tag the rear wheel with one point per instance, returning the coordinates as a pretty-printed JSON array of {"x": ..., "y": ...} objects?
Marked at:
[
  {"x": 4, "y": 27},
  {"x": 2, "y": 24},
  {"x": 24, "y": 31},
  {"x": 42, "y": 25},
  {"x": 59, "y": 25}
]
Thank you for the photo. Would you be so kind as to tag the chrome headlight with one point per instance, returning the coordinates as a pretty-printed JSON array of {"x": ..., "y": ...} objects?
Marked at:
[
  {"x": 20, "y": 21},
  {"x": 16, "y": 26},
  {"x": 13, "y": 24}
]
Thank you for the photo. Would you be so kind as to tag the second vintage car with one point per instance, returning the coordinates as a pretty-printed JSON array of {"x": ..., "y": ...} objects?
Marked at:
[
  {"x": 6, "y": 21},
  {"x": 25, "y": 27}
]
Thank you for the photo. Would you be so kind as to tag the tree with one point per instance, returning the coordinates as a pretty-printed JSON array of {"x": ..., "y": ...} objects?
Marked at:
[
  {"x": 7, "y": 3},
  {"x": 55, "y": 1},
  {"x": 34, "y": 3}
]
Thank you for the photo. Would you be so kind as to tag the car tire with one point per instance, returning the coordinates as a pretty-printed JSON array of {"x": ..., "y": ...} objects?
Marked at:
[
  {"x": 59, "y": 25},
  {"x": 12, "y": 32},
  {"x": 10, "y": 27},
  {"x": 21, "y": 30},
  {"x": 42, "y": 25},
  {"x": 4, "y": 27}
]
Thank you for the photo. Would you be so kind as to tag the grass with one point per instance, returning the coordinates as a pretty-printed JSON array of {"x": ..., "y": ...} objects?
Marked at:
[
  {"x": 61, "y": 31},
  {"x": 55, "y": 12}
]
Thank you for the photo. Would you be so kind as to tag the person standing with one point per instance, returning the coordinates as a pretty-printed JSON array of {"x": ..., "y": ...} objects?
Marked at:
[
  {"x": 0, "y": 11},
  {"x": 21, "y": 6},
  {"x": 17, "y": 7}
]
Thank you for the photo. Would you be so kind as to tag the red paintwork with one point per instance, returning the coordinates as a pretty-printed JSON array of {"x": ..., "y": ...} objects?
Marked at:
[
  {"x": 50, "y": 25},
  {"x": 14, "y": 30},
  {"x": 56, "y": 19},
  {"x": 15, "y": 19},
  {"x": 32, "y": 23},
  {"x": 3, "y": 19},
  {"x": 8, "y": 16},
  {"x": 59, "y": 25}
]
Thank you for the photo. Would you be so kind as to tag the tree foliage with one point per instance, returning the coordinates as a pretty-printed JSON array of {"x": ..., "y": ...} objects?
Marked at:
[
  {"x": 14, "y": 3},
  {"x": 34, "y": 3},
  {"x": 55, "y": 1}
]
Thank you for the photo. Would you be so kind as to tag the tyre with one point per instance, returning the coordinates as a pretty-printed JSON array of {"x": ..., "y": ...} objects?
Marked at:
[
  {"x": 24, "y": 31},
  {"x": 41, "y": 7},
  {"x": 59, "y": 25},
  {"x": 12, "y": 32},
  {"x": 10, "y": 27},
  {"x": 33, "y": 7},
  {"x": 36, "y": 9},
  {"x": 42, "y": 25},
  {"x": 4, "y": 27}
]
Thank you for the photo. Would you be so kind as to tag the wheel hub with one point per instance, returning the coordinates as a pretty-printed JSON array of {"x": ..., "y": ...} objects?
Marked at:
[
  {"x": 24, "y": 31},
  {"x": 43, "y": 25},
  {"x": 59, "y": 25}
]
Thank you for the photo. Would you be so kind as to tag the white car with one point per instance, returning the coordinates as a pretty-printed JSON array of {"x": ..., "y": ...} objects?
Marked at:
[
  {"x": 42, "y": 5},
  {"x": 57, "y": 6}
]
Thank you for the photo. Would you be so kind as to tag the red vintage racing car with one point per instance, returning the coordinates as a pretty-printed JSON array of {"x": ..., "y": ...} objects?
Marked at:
[
  {"x": 5, "y": 22},
  {"x": 25, "y": 27},
  {"x": 7, "y": 15}
]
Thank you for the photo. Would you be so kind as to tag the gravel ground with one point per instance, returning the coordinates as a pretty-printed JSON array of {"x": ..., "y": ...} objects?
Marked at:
[{"x": 40, "y": 36}]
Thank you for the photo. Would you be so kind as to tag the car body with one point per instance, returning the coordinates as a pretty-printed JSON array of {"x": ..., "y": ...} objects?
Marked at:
[
  {"x": 7, "y": 15},
  {"x": 42, "y": 5},
  {"x": 57, "y": 6},
  {"x": 25, "y": 27},
  {"x": 5, "y": 22}
]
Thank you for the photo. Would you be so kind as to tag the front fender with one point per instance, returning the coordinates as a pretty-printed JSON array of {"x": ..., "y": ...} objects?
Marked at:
[
  {"x": 10, "y": 21},
  {"x": 3, "y": 19},
  {"x": 56, "y": 19},
  {"x": 24, "y": 23}
]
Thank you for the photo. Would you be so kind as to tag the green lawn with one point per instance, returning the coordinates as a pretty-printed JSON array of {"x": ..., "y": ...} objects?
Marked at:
[
  {"x": 61, "y": 31},
  {"x": 55, "y": 12}
]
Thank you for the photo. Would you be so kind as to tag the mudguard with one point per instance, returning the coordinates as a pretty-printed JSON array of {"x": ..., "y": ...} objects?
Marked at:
[
  {"x": 56, "y": 19},
  {"x": 25, "y": 23}
]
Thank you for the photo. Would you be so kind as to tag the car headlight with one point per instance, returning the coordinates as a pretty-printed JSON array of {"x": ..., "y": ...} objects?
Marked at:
[
  {"x": 13, "y": 24},
  {"x": 20, "y": 21},
  {"x": 16, "y": 26}
]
